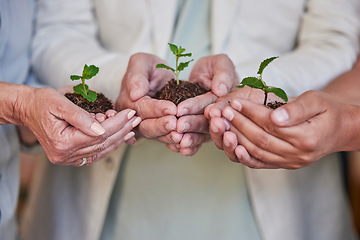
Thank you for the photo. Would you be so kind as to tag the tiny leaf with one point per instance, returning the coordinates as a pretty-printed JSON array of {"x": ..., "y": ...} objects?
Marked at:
[
  {"x": 90, "y": 71},
  {"x": 279, "y": 92},
  {"x": 181, "y": 50},
  {"x": 164, "y": 66},
  {"x": 92, "y": 96},
  {"x": 183, "y": 65},
  {"x": 79, "y": 89},
  {"x": 174, "y": 48},
  {"x": 75, "y": 77},
  {"x": 264, "y": 64},
  {"x": 185, "y": 55},
  {"x": 252, "y": 82}
]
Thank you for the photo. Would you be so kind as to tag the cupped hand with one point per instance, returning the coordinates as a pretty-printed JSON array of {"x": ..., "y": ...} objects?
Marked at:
[
  {"x": 68, "y": 133},
  {"x": 306, "y": 129}
]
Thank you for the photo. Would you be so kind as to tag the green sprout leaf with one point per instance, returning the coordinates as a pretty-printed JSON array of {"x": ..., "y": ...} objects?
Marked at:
[
  {"x": 178, "y": 52},
  {"x": 161, "y": 65},
  {"x": 264, "y": 64},
  {"x": 183, "y": 65},
  {"x": 82, "y": 88},
  {"x": 252, "y": 82},
  {"x": 257, "y": 82},
  {"x": 280, "y": 93}
]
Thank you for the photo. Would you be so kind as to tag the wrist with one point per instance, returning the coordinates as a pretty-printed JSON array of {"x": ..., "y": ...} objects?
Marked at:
[
  {"x": 16, "y": 98},
  {"x": 350, "y": 128}
]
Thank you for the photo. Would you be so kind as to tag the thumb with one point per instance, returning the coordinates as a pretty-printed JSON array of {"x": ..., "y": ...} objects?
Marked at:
[
  {"x": 306, "y": 106},
  {"x": 79, "y": 118}
]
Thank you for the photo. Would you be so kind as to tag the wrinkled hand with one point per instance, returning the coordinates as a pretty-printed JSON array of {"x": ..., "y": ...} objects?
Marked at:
[
  {"x": 68, "y": 133},
  {"x": 212, "y": 72},
  {"x": 292, "y": 136}
]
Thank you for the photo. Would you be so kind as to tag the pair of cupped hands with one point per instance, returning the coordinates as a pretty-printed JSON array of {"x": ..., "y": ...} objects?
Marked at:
[{"x": 234, "y": 119}]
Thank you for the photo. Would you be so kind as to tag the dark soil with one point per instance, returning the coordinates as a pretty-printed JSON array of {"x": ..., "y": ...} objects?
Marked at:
[
  {"x": 101, "y": 104},
  {"x": 274, "y": 105},
  {"x": 178, "y": 93}
]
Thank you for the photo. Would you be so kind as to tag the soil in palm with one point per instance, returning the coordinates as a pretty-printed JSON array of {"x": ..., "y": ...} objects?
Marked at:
[{"x": 100, "y": 105}]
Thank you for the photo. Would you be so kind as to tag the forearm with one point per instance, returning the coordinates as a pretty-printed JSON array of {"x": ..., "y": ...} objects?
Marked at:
[
  {"x": 13, "y": 98},
  {"x": 349, "y": 128}
]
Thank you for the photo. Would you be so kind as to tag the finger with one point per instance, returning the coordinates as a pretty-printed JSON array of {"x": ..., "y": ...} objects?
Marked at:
[
  {"x": 306, "y": 106},
  {"x": 193, "y": 139},
  {"x": 100, "y": 117},
  {"x": 77, "y": 117},
  {"x": 229, "y": 144},
  {"x": 173, "y": 147},
  {"x": 244, "y": 158},
  {"x": 171, "y": 138},
  {"x": 193, "y": 123},
  {"x": 217, "y": 129},
  {"x": 156, "y": 127},
  {"x": 215, "y": 110},
  {"x": 189, "y": 151},
  {"x": 110, "y": 113},
  {"x": 195, "y": 105}
]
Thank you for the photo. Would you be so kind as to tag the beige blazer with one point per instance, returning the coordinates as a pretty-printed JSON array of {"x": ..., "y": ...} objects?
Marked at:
[{"x": 314, "y": 47}]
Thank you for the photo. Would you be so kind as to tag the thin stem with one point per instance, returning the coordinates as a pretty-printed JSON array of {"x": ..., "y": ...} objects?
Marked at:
[
  {"x": 265, "y": 100},
  {"x": 176, "y": 70},
  {"x": 83, "y": 83}
]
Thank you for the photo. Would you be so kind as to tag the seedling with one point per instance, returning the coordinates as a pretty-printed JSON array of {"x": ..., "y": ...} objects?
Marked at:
[
  {"x": 82, "y": 88},
  {"x": 178, "y": 52},
  {"x": 258, "y": 82}
]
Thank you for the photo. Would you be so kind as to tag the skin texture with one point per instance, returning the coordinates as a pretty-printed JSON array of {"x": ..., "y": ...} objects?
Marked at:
[
  {"x": 66, "y": 132},
  {"x": 295, "y": 135},
  {"x": 182, "y": 128}
]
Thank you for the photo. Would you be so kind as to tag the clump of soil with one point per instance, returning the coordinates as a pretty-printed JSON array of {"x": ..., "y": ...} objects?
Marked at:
[
  {"x": 177, "y": 93},
  {"x": 274, "y": 105},
  {"x": 100, "y": 105}
]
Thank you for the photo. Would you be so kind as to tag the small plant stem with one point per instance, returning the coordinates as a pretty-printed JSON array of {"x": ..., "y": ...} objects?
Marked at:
[
  {"x": 83, "y": 83},
  {"x": 265, "y": 100},
  {"x": 177, "y": 71}
]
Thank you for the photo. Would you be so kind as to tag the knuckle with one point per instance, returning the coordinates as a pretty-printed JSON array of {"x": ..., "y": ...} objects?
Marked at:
[{"x": 262, "y": 141}]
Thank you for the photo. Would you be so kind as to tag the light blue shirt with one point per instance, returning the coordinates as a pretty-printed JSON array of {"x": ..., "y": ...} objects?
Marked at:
[
  {"x": 176, "y": 197},
  {"x": 16, "y": 18}
]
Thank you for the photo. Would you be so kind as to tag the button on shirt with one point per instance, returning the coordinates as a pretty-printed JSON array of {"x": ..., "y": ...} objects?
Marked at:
[{"x": 15, "y": 35}]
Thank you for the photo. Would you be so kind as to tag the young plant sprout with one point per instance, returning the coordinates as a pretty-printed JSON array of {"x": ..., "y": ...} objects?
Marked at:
[
  {"x": 258, "y": 82},
  {"x": 82, "y": 88},
  {"x": 178, "y": 52}
]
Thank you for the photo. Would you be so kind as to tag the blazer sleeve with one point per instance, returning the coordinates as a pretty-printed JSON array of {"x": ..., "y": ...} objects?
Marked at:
[
  {"x": 326, "y": 46},
  {"x": 66, "y": 39}
]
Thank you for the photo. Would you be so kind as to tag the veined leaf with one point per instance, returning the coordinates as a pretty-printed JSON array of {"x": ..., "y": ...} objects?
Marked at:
[
  {"x": 264, "y": 64},
  {"x": 90, "y": 71},
  {"x": 183, "y": 65},
  {"x": 252, "y": 82},
  {"x": 75, "y": 77},
  {"x": 91, "y": 96},
  {"x": 174, "y": 49},
  {"x": 279, "y": 92},
  {"x": 161, "y": 65},
  {"x": 79, "y": 89}
]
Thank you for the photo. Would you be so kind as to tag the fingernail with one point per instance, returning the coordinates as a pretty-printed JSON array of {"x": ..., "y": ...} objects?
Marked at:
[
  {"x": 129, "y": 135},
  {"x": 136, "y": 122},
  {"x": 190, "y": 143},
  {"x": 131, "y": 114},
  {"x": 183, "y": 112},
  {"x": 223, "y": 89},
  {"x": 226, "y": 142},
  {"x": 186, "y": 127},
  {"x": 214, "y": 129},
  {"x": 97, "y": 128},
  {"x": 236, "y": 105},
  {"x": 111, "y": 114},
  {"x": 170, "y": 127},
  {"x": 227, "y": 125},
  {"x": 280, "y": 115},
  {"x": 228, "y": 114}
]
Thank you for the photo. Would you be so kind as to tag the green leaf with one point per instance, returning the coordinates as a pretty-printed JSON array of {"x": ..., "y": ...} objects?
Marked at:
[
  {"x": 252, "y": 82},
  {"x": 79, "y": 89},
  {"x": 181, "y": 50},
  {"x": 90, "y": 71},
  {"x": 91, "y": 97},
  {"x": 75, "y": 77},
  {"x": 279, "y": 92},
  {"x": 185, "y": 55},
  {"x": 183, "y": 65},
  {"x": 174, "y": 49},
  {"x": 164, "y": 66},
  {"x": 264, "y": 64}
]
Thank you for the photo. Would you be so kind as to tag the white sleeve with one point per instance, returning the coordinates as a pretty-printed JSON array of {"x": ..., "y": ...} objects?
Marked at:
[
  {"x": 66, "y": 39},
  {"x": 327, "y": 45}
]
